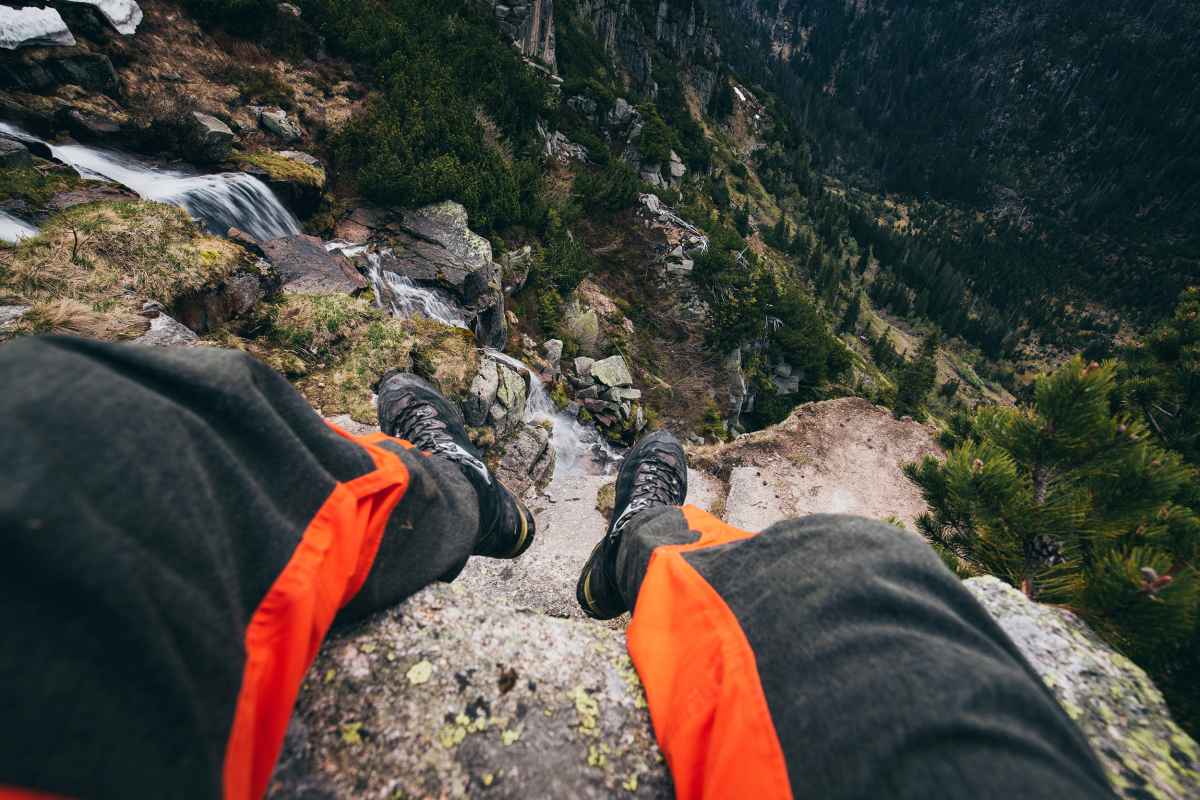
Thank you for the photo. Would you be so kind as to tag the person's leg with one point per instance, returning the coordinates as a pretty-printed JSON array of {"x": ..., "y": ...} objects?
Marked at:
[
  {"x": 832, "y": 657},
  {"x": 180, "y": 531}
]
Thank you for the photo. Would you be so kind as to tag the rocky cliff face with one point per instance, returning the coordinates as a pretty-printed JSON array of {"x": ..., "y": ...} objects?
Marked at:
[
  {"x": 494, "y": 685},
  {"x": 530, "y": 24}
]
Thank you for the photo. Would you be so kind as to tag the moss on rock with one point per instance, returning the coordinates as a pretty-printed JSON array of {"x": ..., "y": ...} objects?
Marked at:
[{"x": 285, "y": 170}]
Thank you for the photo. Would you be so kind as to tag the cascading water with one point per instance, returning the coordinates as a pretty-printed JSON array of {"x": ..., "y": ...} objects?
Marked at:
[
  {"x": 13, "y": 230},
  {"x": 403, "y": 298},
  {"x": 576, "y": 446},
  {"x": 221, "y": 201}
]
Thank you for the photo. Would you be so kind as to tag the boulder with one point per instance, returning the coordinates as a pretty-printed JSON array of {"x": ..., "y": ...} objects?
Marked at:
[
  {"x": 482, "y": 393},
  {"x": 582, "y": 327},
  {"x": 33, "y": 27},
  {"x": 508, "y": 411},
  {"x": 451, "y": 695},
  {"x": 619, "y": 394},
  {"x": 14, "y": 154},
  {"x": 88, "y": 126},
  {"x": 44, "y": 70},
  {"x": 166, "y": 332},
  {"x": 288, "y": 10},
  {"x": 235, "y": 296},
  {"x": 612, "y": 371},
  {"x": 1111, "y": 699},
  {"x": 526, "y": 460},
  {"x": 306, "y": 267},
  {"x": 515, "y": 268},
  {"x": 583, "y": 366},
  {"x": 209, "y": 139},
  {"x": 123, "y": 15},
  {"x": 434, "y": 247},
  {"x": 553, "y": 349},
  {"x": 276, "y": 121}
]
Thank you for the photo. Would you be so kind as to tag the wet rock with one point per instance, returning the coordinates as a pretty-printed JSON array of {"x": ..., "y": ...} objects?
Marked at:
[
  {"x": 508, "y": 410},
  {"x": 33, "y": 27},
  {"x": 14, "y": 154},
  {"x": 612, "y": 371},
  {"x": 210, "y": 139},
  {"x": 276, "y": 121},
  {"x": 245, "y": 240},
  {"x": 482, "y": 393},
  {"x": 526, "y": 460},
  {"x": 307, "y": 268},
  {"x": 434, "y": 247},
  {"x": 166, "y": 332},
  {"x": 123, "y": 15},
  {"x": 1111, "y": 699},
  {"x": 453, "y": 696}
]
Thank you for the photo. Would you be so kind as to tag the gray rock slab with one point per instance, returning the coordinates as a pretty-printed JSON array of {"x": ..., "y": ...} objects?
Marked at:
[
  {"x": 482, "y": 393},
  {"x": 166, "y": 332},
  {"x": 306, "y": 267},
  {"x": 14, "y": 154},
  {"x": 526, "y": 461},
  {"x": 612, "y": 371},
  {"x": 277, "y": 121},
  {"x": 836, "y": 457},
  {"x": 452, "y": 696},
  {"x": 1110, "y": 698}
]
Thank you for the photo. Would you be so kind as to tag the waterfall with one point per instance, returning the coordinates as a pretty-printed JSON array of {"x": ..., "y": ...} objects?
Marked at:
[
  {"x": 403, "y": 298},
  {"x": 13, "y": 230},
  {"x": 577, "y": 447},
  {"x": 221, "y": 201}
]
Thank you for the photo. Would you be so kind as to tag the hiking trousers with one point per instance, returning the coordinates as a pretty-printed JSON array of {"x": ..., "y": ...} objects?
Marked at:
[{"x": 181, "y": 531}]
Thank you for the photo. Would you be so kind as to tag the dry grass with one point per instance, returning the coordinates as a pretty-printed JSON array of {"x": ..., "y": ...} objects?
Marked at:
[
  {"x": 73, "y": 317},
  {"x": 106, "y": 259}
]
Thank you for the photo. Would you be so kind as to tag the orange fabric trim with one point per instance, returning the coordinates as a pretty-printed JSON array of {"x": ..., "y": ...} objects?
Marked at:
[
  {"x": 327, "y": 569},
  {"x": 702, "y": 686}
]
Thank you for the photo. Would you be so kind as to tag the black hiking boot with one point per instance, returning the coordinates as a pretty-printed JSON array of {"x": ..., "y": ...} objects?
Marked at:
[
  {"x": 654, "y": 473},
  {"x": 411, "y": 409}
]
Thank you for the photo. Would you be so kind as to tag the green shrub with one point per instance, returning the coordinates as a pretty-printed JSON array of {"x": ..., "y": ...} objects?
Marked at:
[{"x": 612, "y": 189}]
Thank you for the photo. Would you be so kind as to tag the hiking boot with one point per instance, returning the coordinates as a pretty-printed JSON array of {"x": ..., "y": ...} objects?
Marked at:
[
  {"x": 654, "y": 473},
  {"x": 411, "y": 409}
]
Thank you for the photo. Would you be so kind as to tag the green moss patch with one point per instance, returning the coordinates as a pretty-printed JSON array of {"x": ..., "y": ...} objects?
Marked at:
[
  {"x": 283, "y": 169},
  {"x": 36, "y": 186}
]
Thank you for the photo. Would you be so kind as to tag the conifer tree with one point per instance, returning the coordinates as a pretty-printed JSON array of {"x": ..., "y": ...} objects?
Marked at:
[
  {"x": 917, "y": 378},
  {"x": 1078, "y": 506},
  {"x": 853, "y": 312}
]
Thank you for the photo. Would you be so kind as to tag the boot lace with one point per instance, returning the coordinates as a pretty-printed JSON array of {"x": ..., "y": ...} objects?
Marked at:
[
  {"x": 657, "y": 483},
  {"x": 418, "y": 423}
]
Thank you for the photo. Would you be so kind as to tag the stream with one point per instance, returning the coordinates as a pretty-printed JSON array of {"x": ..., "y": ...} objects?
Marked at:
[{"x": 221, "y": 200}]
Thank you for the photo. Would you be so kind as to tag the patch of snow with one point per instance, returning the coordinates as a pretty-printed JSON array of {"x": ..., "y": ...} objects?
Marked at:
[
  {"x": 33, "y": 27},
  {"x": 738, "y": 92},
  {"x": 123, "y": 15}
]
